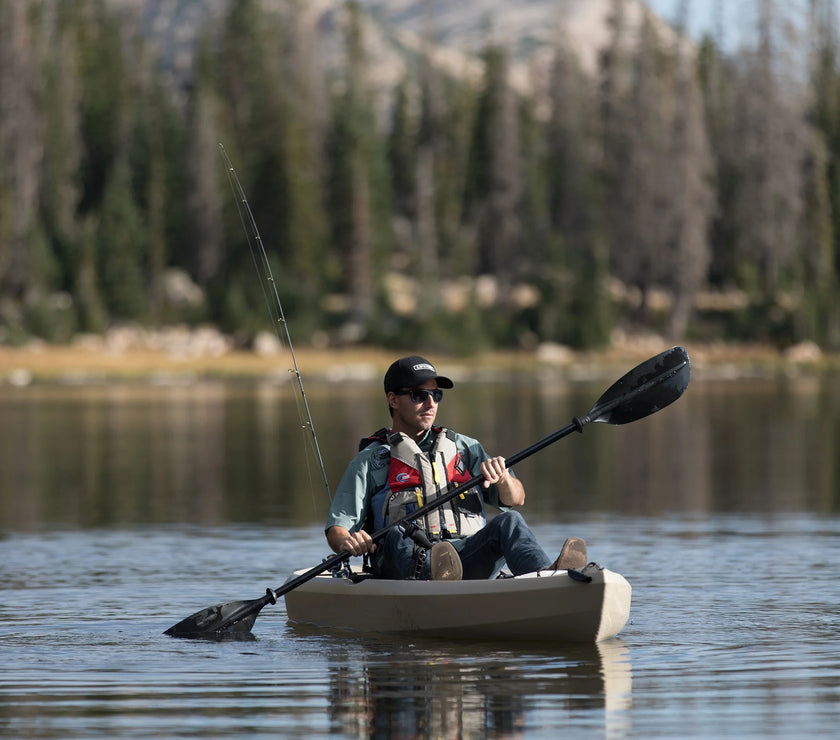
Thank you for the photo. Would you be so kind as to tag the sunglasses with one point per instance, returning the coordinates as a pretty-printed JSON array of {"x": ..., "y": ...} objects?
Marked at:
[{"x": 419, "y": 395}]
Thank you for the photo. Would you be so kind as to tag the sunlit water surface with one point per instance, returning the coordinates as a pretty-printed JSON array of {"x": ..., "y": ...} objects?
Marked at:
[{"x": 733, "y": 629}]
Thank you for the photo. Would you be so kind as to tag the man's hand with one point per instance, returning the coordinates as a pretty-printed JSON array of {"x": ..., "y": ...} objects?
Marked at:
[
  {"x": 356, "y": 543},
  {"x": 494, "y": 470},
  {"x": 511, "y": 491}
]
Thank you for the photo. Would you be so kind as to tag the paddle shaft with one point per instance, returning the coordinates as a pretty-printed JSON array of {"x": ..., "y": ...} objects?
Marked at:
[
  {"x": 336, "y": 559},
  {"x": 599, "y": 411},
  {"x": 271, "y": 595},
  {"x": 576, "y": 425}
]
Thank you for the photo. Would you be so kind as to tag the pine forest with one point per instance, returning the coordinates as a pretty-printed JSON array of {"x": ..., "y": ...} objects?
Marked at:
[{"x": 684, "y": 189}]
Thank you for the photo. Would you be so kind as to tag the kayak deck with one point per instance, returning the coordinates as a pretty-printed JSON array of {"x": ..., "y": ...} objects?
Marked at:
[{"x": 546, "y": 606}]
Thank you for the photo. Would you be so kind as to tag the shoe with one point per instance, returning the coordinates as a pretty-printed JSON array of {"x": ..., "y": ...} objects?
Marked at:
[
  {"x": 445, "y": 563},
  {"x": 572, "y": 555}
]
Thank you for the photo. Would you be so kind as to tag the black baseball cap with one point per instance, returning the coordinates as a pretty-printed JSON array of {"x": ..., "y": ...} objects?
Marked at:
[{"x": 409, "y": 372}]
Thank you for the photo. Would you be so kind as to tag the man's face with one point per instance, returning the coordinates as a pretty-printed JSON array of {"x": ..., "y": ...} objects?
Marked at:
[{"x": 414, "y": 417}]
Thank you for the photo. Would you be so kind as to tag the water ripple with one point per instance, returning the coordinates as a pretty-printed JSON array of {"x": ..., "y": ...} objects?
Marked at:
[{"x": 726, "y": 638}]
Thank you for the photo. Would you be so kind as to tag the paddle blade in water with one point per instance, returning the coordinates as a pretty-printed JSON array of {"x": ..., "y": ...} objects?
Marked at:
[
  {"x": 646, "y": 389},
  {"x": 231, "y": 620}
]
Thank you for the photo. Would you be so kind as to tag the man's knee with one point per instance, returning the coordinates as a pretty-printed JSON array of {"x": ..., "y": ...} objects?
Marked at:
[
  {"x": 395, "y": 556},
  {"x": 510, "y": 520}
]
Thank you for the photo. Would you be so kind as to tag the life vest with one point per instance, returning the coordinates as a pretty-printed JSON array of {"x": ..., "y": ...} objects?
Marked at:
[{"x": 416, "y": 478}]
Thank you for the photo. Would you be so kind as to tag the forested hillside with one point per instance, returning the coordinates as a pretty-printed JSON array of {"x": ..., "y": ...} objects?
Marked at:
[{"x": 458, "y": 202}]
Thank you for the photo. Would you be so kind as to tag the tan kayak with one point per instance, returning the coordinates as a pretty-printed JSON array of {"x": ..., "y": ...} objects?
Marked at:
[{"x": 545, "y": 606}]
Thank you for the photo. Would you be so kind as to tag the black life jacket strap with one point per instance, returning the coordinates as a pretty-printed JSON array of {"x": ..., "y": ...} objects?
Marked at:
[{"x": 381, "y": 436}]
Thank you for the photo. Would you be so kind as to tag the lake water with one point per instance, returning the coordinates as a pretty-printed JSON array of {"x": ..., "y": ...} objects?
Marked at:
[{"x": 125, "y": 508}]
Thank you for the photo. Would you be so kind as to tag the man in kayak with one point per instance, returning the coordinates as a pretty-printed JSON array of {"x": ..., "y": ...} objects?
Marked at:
[{"x": 401, "y": 468}]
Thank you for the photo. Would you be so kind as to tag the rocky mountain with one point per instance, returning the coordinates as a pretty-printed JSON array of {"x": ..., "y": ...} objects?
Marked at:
[
  {"x": 529, "y": 27},
  {"x": 396, "y": 29}
]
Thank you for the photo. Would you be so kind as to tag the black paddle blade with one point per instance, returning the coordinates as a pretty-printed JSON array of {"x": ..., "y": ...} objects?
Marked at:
[
  {"x": 646, "y": 389},
  {"x": 232, "y": 620}
]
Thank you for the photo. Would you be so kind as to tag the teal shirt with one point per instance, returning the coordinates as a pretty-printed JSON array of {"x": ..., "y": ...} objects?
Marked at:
[{"x": 367, "y": 473}]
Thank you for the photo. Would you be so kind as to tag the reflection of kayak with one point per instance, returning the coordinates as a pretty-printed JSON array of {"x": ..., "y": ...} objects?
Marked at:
[{"x": 544, "y": 606}]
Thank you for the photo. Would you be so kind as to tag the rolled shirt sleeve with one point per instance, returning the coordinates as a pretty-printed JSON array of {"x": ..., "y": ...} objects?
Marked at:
[{"x": 360, "y": 481}]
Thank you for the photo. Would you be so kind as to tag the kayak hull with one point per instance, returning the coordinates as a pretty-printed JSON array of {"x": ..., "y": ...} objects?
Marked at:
[{"x": 549, "y": 606}]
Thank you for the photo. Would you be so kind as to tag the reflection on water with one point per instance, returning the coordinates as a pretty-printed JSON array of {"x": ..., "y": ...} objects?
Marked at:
[
  {"x": 128, "y": 453},
  {"x": 213, "y": 452},
  {"x": 81, "y": 620},
  {"x": 125, "y": 508},
  {"x": 733, "y": 632},
  {"x": 434, "y": 690}
]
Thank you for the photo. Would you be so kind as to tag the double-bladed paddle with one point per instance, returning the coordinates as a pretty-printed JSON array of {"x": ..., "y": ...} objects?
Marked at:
[{"x": 646, "y": 389}]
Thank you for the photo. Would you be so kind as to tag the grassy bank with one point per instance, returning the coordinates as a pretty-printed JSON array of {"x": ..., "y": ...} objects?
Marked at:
[{"x": 100, "y": 362}]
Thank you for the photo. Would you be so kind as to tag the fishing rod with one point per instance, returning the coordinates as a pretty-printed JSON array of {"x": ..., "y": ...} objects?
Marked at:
[{"x": 260, "y": 257}]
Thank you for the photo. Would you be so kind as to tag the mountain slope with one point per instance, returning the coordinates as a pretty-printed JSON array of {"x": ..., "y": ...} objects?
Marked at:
[
  {"x": 530, "y": 27},
  {"x": 453, "y": 32}
]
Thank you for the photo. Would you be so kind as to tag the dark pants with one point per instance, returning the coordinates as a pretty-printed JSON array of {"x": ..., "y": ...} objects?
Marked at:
[{"x": 505, "y": 538}]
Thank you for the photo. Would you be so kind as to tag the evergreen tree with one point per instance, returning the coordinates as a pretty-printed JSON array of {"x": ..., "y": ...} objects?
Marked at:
[
  {"x": 773, "y": 134},
  {"x": 302, "y": 133},
  {"x": 402, "y": 144},
  {"x": 207, "y": 190},
  {"x": 822, "y": 196},
  {"x": 156, "y": 164},
  {"x": 155, "y": 212},
  {"x": 104, "y": 87},
  {"x": 93, "y": 316},
  {"x": 637, "y": 146},
  {"x": 459, "y": 103},
  {"x": 716, "y": 77},
  {"x": 273, "y": 108},
  {"x": 825, "y": 99},
  {"x": 22, "y": 125},
  {"x": 818, "y": 314},
  {"x": 358, "y": 177},
  {"x": 495, "y": 187},
  {"x": 121, "y": 247},
  {"x": 248, "y": 93},
  {"x": 426, "y": 232},
  {"x": 689, "y": 178},
  {"x": 576, "y": 306},
  {"x": 61, "y": 191}
]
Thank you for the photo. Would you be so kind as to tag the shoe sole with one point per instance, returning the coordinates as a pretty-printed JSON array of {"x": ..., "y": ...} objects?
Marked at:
[
  {"x": 572, "y": 556},
  {"x": 445, "y": 564}
]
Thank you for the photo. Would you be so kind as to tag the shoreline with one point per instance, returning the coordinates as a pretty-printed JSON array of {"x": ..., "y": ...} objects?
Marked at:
[{"x": 83, "y": 363}]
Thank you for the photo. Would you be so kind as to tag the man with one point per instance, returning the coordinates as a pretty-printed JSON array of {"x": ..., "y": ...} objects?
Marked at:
[{"x": 397, "y": 470}]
